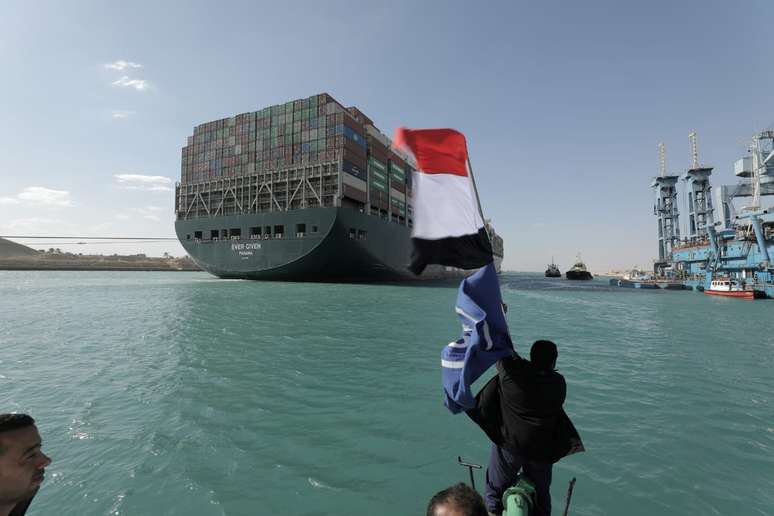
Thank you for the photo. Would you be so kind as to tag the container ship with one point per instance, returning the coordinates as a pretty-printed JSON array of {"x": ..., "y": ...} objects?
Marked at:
[
  {"x": 308, "y": 190},
  {"x": 728, "y": 239}
]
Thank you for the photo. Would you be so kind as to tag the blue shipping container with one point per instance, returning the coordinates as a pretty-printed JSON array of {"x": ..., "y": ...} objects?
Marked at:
[{"x": 351, "y": 168}]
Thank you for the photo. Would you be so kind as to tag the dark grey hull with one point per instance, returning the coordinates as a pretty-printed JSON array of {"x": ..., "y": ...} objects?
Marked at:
[
  {"x": 347, "y": 246},
  {"x": 578, "y": 275}
]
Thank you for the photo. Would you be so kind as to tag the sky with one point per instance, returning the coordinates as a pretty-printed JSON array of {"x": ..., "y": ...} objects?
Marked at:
[{"x": 563, "y": 104}]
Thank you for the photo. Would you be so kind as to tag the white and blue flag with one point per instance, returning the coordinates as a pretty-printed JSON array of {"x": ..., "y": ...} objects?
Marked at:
[{"x": 485, "y": 338}]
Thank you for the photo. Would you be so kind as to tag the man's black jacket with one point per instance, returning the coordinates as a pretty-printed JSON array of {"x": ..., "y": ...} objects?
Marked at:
[{"x": 520, "y": 409}]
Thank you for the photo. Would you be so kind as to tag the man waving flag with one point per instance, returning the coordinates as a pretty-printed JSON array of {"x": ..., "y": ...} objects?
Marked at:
[{"x": 448, "y": 224}]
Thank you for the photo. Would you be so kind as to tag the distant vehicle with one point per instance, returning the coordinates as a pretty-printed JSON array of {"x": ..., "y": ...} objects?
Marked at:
[
  {"x": 578, "y": 271},
  {"x": 552, "y": 271}
]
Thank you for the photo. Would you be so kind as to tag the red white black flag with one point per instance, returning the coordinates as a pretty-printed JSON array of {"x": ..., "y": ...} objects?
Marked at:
[{"x": 448, "y": 226}]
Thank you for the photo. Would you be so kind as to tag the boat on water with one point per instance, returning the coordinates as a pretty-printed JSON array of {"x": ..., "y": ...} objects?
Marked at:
[
  {"x": 552, "y": 271},
  {"x": 308, "y": 190},
  {"x": 728, "y": 287},
  {"x": 636, "y": 278},
  {"x": 578, "y": 271}
]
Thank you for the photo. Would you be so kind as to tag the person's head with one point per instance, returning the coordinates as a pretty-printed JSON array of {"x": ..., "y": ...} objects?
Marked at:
[
  {"x": 543, "y": 355},
  {"x": 22, "y": 463},
  {"x": 457, "y": 500}
]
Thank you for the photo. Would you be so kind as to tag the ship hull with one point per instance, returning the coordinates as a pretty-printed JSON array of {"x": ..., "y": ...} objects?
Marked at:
[
  {"x": 624, "y": 283},
  {"x": 743, "y": 294},
  {"x": 578, "y": 275},
  {"x": 339, "y": 244}
]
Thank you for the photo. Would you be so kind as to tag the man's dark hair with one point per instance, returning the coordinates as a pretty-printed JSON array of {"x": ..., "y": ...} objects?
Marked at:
[
  {"x": 461, "y": 497},
  {"x": 10, "y": 422},
  {"x": 543, "y": 355}
]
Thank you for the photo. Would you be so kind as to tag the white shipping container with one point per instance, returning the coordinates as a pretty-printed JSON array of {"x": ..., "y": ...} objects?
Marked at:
[{"x": 743, "y": 167}]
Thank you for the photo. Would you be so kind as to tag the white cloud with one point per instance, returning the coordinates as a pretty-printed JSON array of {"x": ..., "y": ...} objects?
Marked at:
[
  {"x": 143, "y": 182},
  {"x": 40, "y": 196},
  {"x": 121, "y": 113},
  {"x": 121, "y": 65},
  {"x": 126, "y": 82}
]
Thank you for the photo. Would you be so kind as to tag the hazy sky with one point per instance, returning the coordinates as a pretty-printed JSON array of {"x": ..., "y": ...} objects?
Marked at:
[{"x": 563, "y": 103}]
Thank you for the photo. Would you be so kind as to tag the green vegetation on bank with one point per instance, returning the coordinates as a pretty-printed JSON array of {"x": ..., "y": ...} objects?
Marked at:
[{"x": 15, "y": 256}]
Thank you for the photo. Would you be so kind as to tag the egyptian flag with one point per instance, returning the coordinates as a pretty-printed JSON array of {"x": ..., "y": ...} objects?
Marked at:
[{"x": 448, "y": 225}]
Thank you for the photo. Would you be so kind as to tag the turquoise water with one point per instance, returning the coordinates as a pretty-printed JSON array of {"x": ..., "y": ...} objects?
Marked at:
[{"x": 180, "y": 394}]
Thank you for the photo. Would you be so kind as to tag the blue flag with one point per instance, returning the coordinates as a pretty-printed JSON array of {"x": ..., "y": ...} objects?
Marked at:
[{"x": 485, "y": 338}]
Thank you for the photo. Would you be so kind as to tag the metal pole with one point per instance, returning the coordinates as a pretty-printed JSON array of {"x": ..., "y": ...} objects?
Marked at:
[
  {"x": 470, "y": 467},
  {"x": 478, "y": 202},
  {"x": 569, "y": 497},
  {"x": 475, "y": 189}
]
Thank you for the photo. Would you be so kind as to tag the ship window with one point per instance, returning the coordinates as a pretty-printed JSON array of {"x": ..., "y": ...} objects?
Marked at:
[
  {"x": 352, "y": 233},
  {"x": 214, "y": 234},
  {"x": 188, "y": 237},
  {"x": 278, "y": 231},
  {"x": 224, "y": 233},
  {"x": 198, "y": 235},
  {"x": 235, "y": 233},
  {"x": 300, "y": 230},
  {"x": 255, "y": 232},
  {"x": 315, "y": 229},
  {"x": 361, "y": 234}
]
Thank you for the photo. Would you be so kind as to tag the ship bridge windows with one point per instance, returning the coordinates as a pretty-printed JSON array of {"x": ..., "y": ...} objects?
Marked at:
[
  {"x": 362, "y": 234},
  {"x": 214, "y": 233},
  {"x": 235, "y": 233},
  {"x": 300, "y": 230},
  {"x": 279, "y": 230},
  {"x": 224, "y": 234},
  {"x": 352, "y": 233},
  {"x": 266, "y": 232},
  {"x": 197, "y": 235},
  {"x": 315, "y": 229},
  {"x": 255, "y": 233}
]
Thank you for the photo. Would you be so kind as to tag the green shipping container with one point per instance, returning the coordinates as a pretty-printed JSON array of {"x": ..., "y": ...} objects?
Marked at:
[
  {"x": 397, "y": 173},
  {"x": 379, "y": 185}
]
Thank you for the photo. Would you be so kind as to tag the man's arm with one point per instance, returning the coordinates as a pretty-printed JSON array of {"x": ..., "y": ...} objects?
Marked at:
[{"x": 510, "y": 364}]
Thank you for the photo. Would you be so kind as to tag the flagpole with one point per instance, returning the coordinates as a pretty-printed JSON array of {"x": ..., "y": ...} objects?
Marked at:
[{"x": 478, "y": 200}]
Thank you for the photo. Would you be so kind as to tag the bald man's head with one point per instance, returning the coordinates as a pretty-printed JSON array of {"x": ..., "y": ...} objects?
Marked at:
[{"x": 457, "y": 500}]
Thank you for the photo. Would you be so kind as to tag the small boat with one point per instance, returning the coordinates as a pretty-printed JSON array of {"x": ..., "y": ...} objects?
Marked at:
[
  {"x": 728, "y": 287},
  {"x": 637, "y": 279},
  {"x": 552, "y": 271},
  {"x": 578, "y": 271}
]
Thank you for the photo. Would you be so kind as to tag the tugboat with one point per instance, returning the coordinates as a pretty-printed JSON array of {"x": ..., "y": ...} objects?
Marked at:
[
  {"x": 553, "y": 271},
  {"x": 728, "y": 287},
  {"x": 578, "y": 271}
]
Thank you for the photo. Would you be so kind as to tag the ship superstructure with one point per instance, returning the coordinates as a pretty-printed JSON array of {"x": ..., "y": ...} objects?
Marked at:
[
  {"x": 729, "y": 230},
  {"x": 306, "y": 190}
]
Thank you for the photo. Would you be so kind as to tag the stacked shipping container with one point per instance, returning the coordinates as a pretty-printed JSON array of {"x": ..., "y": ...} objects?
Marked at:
[{"x": 277, "y": 142}]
